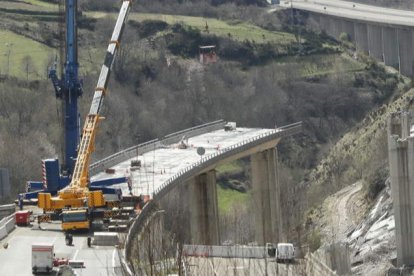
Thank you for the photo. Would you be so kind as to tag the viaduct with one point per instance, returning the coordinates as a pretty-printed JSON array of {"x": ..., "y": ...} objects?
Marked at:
[
  {"x": 382, "y": 33},
  {"x": 172, "y": 171}
]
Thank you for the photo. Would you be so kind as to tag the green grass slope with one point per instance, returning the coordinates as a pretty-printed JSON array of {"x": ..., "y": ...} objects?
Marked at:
[
  {"x": 13, "y": 51},
  {"x": 237, "y": 30}
]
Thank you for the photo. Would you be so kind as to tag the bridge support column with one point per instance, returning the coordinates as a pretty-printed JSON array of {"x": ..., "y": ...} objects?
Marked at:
[
  {"x": 204, "y": 209},
  {"x": 405, "y": 51},
  {"x": 401, "y": 162},
  {"x": 348, "y": 28},
  {"x": 266, "y": 197},
  {"x": 324, "y": 24},
  {"x": 335, "y": 27},
  {"x": 375, "y": 42},
  {"x": 361, "y": 37},
  {"x": 390, "y": 46}
]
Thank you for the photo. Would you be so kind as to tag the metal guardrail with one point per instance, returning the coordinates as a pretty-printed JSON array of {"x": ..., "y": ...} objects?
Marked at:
[
  {"x": 129, "y": 153},
  {"x": 136, "y": 227},
  {"x": 122, "y": 156},
  {"x": 191, "y": 132}
]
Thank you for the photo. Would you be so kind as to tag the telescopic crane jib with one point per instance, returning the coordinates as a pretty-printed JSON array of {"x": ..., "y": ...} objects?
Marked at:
[{"x": 77, "y": 193}]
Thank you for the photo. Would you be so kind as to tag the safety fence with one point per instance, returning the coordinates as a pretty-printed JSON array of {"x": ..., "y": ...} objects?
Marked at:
[
  {"x": 7, "y": 225},
  {"x": 129, "y": 153},
  {"x": 195, "y": 169},
  {"x": 315, "y": 267}
]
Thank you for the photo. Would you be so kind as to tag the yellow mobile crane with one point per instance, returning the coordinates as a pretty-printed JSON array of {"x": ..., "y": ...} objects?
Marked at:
[{"x": 74, "y": 203}]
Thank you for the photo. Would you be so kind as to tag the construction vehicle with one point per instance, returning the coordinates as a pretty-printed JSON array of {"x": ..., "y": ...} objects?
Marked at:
[
  {"x": 76, "y": 204},
  {"x": 68, "y": 88}
]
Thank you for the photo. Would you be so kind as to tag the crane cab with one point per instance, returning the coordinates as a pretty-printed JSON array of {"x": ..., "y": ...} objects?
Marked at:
[{"x": 75, "y": 219}]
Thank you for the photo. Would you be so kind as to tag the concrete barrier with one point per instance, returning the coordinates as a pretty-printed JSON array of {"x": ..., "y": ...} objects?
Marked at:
[
  {"x": 3, "y": 232},
  {"x": 105, "y": 238},
  {"x": 7, "y": 225},
  {"x": 10, "y": 224}
]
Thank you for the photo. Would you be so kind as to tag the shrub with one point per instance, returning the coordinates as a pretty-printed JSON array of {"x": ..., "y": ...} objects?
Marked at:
[
  {"x": 314, "y": 240},
  {"x": 374, "y": 181},
  {"x": 148, "y": 28}
]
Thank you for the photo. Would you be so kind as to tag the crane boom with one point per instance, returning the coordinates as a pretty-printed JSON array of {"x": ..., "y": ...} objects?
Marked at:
[
  {"x": 80, "y": 173},
  {"x": 77, "y": 193}
]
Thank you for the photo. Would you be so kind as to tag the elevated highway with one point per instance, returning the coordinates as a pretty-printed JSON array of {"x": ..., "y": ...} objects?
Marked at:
[
  {"x": 382, "y": 33},
  {"x": 354, "y": 11}
]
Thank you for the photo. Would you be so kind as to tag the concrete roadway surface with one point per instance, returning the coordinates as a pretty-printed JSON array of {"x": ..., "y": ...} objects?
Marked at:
[
  {"x": 236, "y": 266},
  {"x": 353, "y": 10},
  {"x": 16, "y": 259}
]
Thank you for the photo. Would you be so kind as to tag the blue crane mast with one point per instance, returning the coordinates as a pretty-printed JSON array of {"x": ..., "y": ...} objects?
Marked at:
[{"x": 69, "y": 87}]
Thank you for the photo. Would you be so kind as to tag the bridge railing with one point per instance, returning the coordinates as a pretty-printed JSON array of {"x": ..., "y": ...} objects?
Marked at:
[
  {"x": 213, "y": 158},
  {"x": 122, "y": 156},
  {"x": 135, "y": 228},
  {"x": 129, "y": 153},
  {"x": 191, "y": 132}
]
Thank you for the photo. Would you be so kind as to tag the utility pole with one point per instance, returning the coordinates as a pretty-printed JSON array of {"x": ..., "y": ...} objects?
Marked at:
[{"x": 8, "y": 45}]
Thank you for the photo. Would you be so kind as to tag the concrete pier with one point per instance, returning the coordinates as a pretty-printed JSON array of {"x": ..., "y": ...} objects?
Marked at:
[
  {"x": 324, "y": 22},
  {"x": 348, "y": 28},
  {"x": 361, "y": 37},
  {"x": 375, "y": 42},
  {"x": 266, "y": 197},
  {"x": 401, "y": 162},
  {"x": 405, "y": 51},
  {"x": 390, "y": 46},
  {"x": 335, "y": 27},
  {"x": 204, "y": 224}
]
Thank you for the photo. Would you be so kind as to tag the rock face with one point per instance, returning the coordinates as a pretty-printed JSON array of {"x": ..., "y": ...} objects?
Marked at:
[{"x": 373, "y": 240}]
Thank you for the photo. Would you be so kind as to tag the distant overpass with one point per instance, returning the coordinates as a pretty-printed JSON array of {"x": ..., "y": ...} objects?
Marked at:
[{"x": 382, "y": 33}]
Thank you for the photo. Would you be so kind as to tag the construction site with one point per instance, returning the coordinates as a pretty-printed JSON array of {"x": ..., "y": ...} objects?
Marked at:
[{"x": 236, "y": 138}]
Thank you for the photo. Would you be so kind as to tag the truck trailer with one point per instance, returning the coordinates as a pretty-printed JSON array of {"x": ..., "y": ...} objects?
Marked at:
[{"x": 42, "y": 257}]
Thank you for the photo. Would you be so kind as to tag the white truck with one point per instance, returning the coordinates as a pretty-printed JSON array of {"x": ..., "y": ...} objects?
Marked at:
[
  {"x": 285, "y": 252},
  {"x": 42, "y": 257}
]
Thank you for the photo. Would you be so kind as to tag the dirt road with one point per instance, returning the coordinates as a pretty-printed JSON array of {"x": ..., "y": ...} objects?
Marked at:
[{"x": 340, "y": 212}]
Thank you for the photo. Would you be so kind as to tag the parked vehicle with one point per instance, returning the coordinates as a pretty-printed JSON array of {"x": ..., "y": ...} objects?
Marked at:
[
  {"x": 42, "y": 257},
  {"x": 285, "y": 252}
]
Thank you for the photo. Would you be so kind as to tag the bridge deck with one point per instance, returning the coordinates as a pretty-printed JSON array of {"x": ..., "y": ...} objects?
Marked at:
[
  {"x": 158, "y": 165},
  {"x": 354, "y": 11}
]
